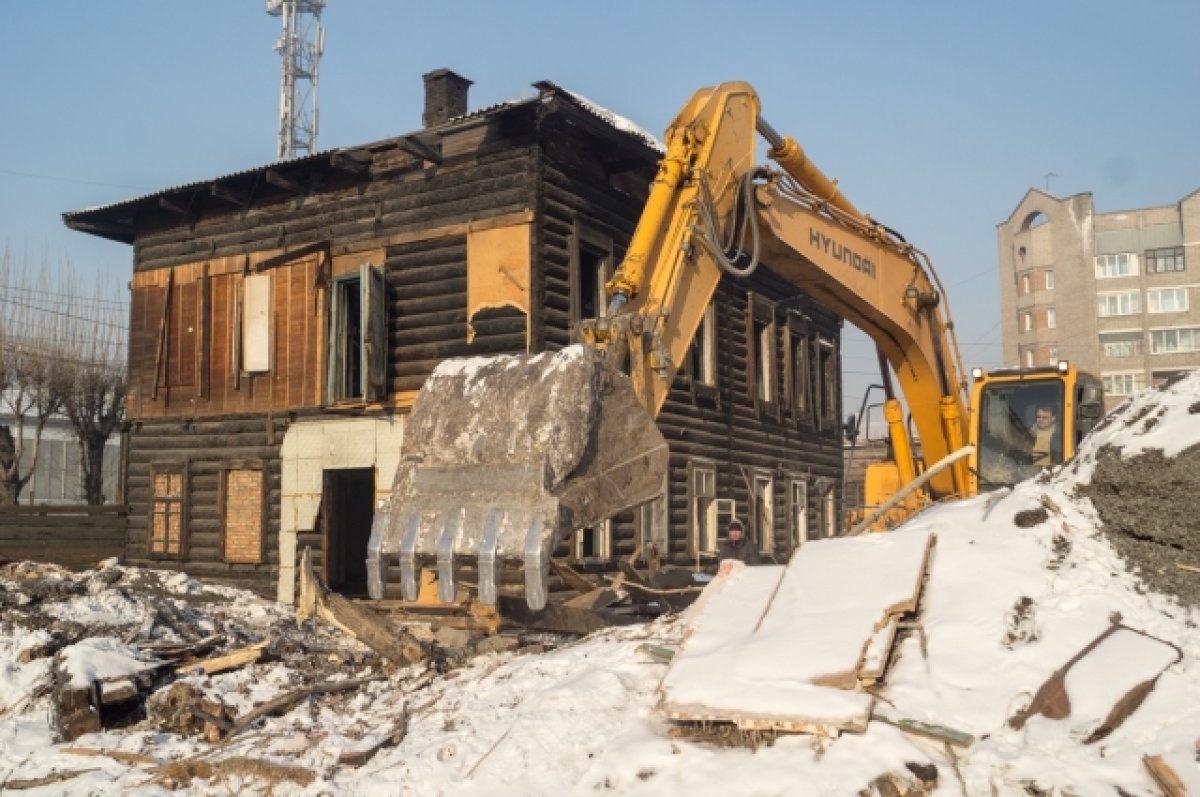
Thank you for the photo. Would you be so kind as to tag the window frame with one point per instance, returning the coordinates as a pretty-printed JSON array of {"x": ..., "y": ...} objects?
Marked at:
[
  {"x": 1048, "y": 279},
  {"x": 371, "y": 345},
  {"x": 1154, "y": 297},
  {"x": 1136, "y": 382},
  {"x": 698, "y": 470},
  {"x": 1109, "y": 266},
  {"x": 760, "y": 358},
  {"x": 1178, "y": 332},
  {"x": 798, "y": 371},
  {"x": 1176, "y": 257},
  {"x": 1136, "y": 339},
  {"x": 1135, "y": 303},
  {"x": 587, "y": 237},
  {"x": 175, "y": 468},
  {"x": 763, "y": 510},
  {"x": 798, "y": 520},
  {"x": 828, "y": 383}
]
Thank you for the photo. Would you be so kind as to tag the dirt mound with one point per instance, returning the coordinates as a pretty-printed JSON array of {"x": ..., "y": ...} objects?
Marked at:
[
  {"x": 1150, "y": 507},
  {"x": 1147, "y": 495}
]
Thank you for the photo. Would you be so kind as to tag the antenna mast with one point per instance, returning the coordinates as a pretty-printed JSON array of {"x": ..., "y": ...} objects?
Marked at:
[{"x": 300, "y": 46}]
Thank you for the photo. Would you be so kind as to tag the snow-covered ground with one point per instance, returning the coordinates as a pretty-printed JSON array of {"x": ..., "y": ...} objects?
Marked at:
[{"x": 1005, "y": 606}]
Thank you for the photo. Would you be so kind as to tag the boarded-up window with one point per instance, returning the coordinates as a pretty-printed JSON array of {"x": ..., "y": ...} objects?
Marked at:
[
  {"x": 256, "y": 323},
  {"x": 167, "y": 512},
  {"x": 182, "y": 335},
  {"x": 242, "y": 510}
]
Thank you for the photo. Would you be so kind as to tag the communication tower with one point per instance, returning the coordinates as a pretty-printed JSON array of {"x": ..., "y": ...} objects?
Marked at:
[{"x": 300, "y": 46}]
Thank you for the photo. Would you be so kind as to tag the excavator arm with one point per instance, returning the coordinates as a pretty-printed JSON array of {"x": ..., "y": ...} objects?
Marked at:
[
  {"x": 711, "y": 210},
  {"x": 505, "y": 457}
]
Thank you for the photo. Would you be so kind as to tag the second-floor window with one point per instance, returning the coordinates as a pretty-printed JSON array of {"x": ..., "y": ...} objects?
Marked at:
[
  {"x": 1049, "y": 279},
  {"x": 1167, "y": 300},
  {"x": 1174, "y": 341},
  {"x": 1166, "y": 259},
  {"x": 357, "y": 336},
  {"x": 1051, "y": 320},
  {"x": 1121, "y": 344},
  {"x": 1119, "y": 265},
  {"x": 1124, "y": 384},
  {"x": 1111, "y": 304}
]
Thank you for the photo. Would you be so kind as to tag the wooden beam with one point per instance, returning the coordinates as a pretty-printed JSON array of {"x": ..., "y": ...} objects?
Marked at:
[
  {"x": 279, "y": 180},
  {"x": 167, "y": 204},
  {"x": 227, "y": 194},
  {"x": 352, "y": 164},
  {"x": 417, "y": 148}
]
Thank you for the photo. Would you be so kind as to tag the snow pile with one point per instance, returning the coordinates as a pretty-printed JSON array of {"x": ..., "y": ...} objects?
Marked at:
[{"x": 1020, "y": 584}]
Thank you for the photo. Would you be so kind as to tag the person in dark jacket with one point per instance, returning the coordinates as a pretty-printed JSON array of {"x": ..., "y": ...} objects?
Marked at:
[{"x": 736, "y": 546}]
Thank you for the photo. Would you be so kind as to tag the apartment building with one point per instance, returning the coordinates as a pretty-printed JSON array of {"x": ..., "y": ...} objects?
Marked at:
[{"x": 1116, "y": 293}]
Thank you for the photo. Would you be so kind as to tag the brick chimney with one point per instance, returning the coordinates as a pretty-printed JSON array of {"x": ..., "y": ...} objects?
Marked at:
[{"x": 445, "y": 96}]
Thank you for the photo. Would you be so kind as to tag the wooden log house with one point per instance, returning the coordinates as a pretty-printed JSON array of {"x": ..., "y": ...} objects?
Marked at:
[{"x": 283, "y": 319}]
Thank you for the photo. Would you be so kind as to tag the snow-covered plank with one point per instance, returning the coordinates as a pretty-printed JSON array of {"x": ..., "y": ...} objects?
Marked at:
[
  {"x": 766, "y": 648},
  {"x": 835, "y": 596}
]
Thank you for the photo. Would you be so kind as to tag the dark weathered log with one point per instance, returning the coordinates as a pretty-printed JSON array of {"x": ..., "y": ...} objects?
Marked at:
[{"x": 315, "y": 600}]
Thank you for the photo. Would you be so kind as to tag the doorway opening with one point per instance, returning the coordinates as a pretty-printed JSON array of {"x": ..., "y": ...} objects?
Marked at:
[{"x": 349, "y": 507}]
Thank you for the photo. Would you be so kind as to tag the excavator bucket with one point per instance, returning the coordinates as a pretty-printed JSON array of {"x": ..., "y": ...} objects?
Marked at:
[{"x": 503, "y": 457}]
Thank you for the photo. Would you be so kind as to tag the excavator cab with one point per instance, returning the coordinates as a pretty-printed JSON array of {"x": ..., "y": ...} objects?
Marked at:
[{"x": 1028, "y": 419}]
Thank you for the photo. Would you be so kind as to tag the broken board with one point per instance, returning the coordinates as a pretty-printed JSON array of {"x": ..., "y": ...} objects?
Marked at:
[{"x": 783, "y": 648}]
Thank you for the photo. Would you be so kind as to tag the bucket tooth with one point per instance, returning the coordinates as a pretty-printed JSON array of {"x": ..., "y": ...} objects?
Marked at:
[
  {"x": 445, "y": 555},
  {"x": 410, "y": 523},
  {"x": 487, "y": 557},
  {"x": 536, "y": 564}
]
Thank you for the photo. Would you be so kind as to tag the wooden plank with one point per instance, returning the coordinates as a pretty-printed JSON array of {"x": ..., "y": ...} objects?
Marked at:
[
  {"x": 1165, "y": 776},
  {"x": 162, "y": 335}
]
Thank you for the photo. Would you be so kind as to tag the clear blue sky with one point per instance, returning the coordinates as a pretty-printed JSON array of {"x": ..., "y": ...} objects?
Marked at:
[{"x": 936, "y": 117}]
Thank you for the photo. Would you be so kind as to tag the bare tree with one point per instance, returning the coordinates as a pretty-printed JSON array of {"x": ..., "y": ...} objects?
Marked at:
[
  {"x": 95, "y": 401},
  {"x": 59, "y": 354},
  {"x": 36, "y": 382}
]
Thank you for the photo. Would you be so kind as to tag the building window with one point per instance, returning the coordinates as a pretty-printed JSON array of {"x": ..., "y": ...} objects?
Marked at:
[
  {"x": 1159, "y": 261},
  {"x": 242, "y": 515},
  {"x": 764, "y": 338},
  {"x": 764, "y": 512},
  {"x": 760, "y": 359},
  {"x": 357, "y": 336},
  {"x": 256, "y": 323},
  {"x": 1026, "y": 284},
  {"x": 799, "y": 377},
  {"x": 1124, "y": 384},
  {"x": 653, "y": 520},
  {"x": 1051, "y": 320},
  {"x": 1120, "y": 265},
  {"x": 1121, "y": 344},
  {"x": 1026, "y": 321},
  {"x": 591, "y": 269},
  {"x": 702, "y": 356},
  {"x": 594, "y": 543},
  {"x": 167, "y": 509},
  {"x": 798, "y": 511},
  {"x": 1049, "y": 279},
  {"x": 1052, "y": 353},
  {"x": 702, "y": 505},
  {"x": 1166, "y": 300},
  {"x": 1113, "y": 304},
  {"x": 830, "y": 385},
  {"x": 1174, "y": 341},
  {"x": 1029, "y": 358}
]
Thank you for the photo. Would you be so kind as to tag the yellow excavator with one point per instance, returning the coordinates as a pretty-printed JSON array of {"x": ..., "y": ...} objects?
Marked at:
[{"x": 504, "y": 457}]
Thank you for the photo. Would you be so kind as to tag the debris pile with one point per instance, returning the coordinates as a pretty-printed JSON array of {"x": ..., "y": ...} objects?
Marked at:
[{"x": 1026, "y": 651}]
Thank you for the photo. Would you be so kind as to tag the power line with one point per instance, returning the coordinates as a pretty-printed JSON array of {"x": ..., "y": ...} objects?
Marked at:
[{"x": 35, "y": 176}]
